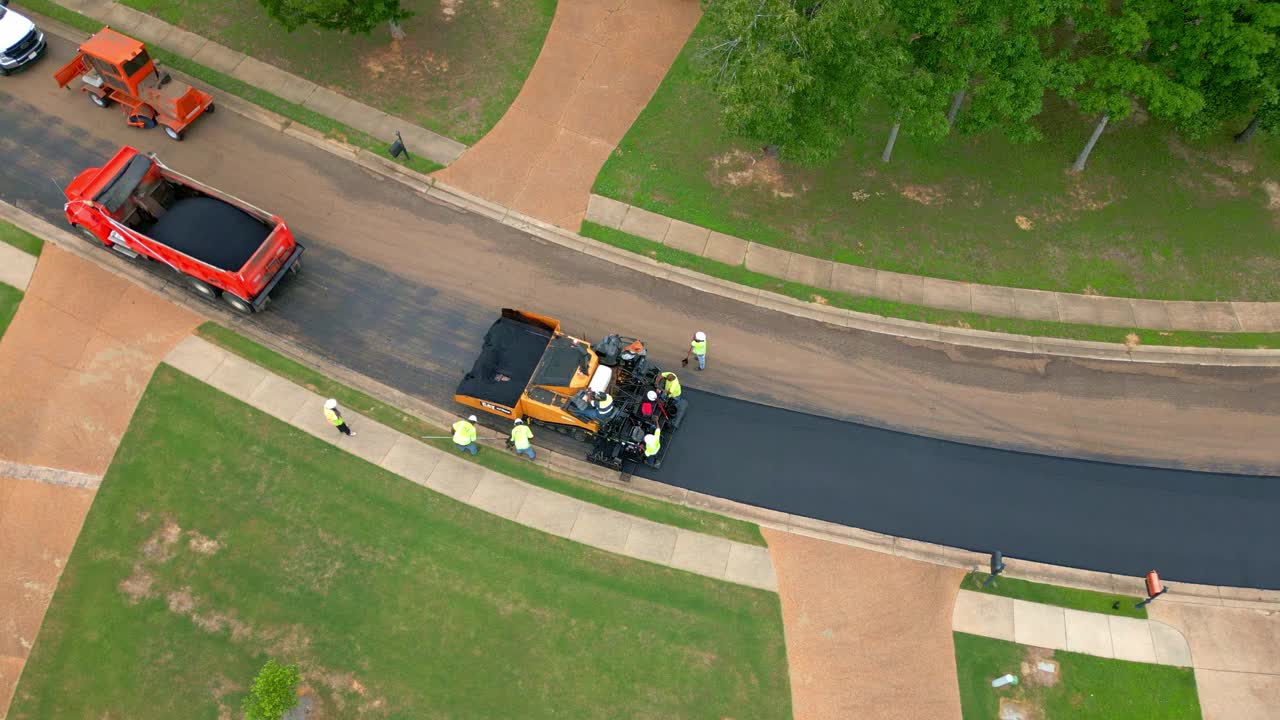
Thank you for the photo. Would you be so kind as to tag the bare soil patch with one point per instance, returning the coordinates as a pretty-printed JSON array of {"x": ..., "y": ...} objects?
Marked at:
[
  {"x": 138, "y": 586},
  {"x": 924, "y": 194},
  {"x": 1272, "y": 189},
  {"x": 1034, "y": 663},
  {"x": 159, "y": 548},
  {"x": 201, "y": 544},
  {"x": 738, "y": 168}
]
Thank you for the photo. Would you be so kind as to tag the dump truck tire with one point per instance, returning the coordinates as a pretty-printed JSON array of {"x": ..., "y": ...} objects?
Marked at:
[
  {"x": 201, "y": 288},
  {"x": 237, "y": 304},
  {"x": 211, "y": 108}
]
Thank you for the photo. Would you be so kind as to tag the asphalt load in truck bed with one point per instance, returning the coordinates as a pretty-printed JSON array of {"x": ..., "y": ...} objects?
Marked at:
[
  {"x": 1211, "y": 528},
  {"x": 211, "y": 231}
]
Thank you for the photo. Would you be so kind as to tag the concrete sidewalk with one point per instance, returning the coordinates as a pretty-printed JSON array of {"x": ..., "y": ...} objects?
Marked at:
[
  {"x": 1049, "y": 626},
  {"x": 473, "y": 484},
  {"x": 16, "y": 266}
]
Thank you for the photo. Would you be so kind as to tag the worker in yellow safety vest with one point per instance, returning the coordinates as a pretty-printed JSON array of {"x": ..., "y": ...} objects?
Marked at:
[
  {"x": 464, "y": 435},
  {"x": 670, "y": 385},
  {"x": 698, "y": 349},
  {"x": 335, "y": 418},
  {"x": 653, "y": 443},
  {"x": 603, "y": 404},
  {"x": 520, "y": 437}
]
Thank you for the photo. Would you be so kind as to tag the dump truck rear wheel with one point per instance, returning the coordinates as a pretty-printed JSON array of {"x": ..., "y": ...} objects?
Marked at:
[
  {"x": 202, "y": 288},
  {"x": 210, "y": 108},
  {"x": 174, "y": 135},
  {"x": 237, "y": 304},
  {"x": 99, "y": 100}
]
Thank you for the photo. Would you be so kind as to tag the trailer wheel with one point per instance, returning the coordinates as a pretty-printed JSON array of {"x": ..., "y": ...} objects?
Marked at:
[
  {"x": 202, "y": 288},
  {"x": 144, "y": 122},
  {"x": 237, "y": 304},
  {"x": 99, "y": 100},
  {"x": 174, "y": 135}
]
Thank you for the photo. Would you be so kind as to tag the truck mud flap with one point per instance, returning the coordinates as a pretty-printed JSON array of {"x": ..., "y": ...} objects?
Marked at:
[{"x": 260, "y": 301}]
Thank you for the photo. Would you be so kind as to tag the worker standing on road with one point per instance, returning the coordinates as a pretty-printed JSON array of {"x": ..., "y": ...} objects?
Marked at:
[
  {"x": 670, "y": 385},
  {"x": 335, "y": 418},
  {"x": 464, "y": 435},
  {"x": 698, "y": 349},
  {"x": 653, "y": 443},
  {"x": 520, "y": 437}
]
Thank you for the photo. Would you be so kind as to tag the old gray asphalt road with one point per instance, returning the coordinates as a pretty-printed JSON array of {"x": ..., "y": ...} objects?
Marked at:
[{"x": 402, "y": 289}]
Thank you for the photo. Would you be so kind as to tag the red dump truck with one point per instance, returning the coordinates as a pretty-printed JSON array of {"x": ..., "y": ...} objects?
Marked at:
[{"x": 221, "y": 246}]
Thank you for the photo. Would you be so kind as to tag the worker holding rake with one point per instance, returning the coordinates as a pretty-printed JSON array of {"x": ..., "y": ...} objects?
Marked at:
[{"x": 698, "y": 350}]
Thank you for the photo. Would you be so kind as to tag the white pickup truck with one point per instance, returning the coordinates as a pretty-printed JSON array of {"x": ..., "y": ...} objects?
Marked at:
[{"x": 21, "y": 42}]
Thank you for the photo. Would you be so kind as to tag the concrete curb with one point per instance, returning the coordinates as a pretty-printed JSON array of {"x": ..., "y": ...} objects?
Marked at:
[
  {"x": 996, "y": 300},
  {"x": 937, "y": 335},
  {"x": 903, "y": 547}
]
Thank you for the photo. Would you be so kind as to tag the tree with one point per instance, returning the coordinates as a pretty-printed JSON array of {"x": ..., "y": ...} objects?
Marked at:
[
  {"x": 794, "y": 75},
  {"x": 354, "y": 16},
  {"x": 274, "y": 692},
  {"x": 1226, "y": 49},
  {"x": 1109, "y": 73}
]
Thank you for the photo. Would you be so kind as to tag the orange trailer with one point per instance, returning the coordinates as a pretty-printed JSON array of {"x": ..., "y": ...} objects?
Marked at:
[{"x": 116, "y": 69}]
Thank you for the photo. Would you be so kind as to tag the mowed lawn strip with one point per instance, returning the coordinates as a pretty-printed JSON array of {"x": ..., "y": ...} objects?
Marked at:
[
  {"x": 10, "y": 298},
  {"x": 21, "y": 239},
  {"x": 1153, "y": 216},
  {"x": 1088, "y": 687},
  {"x": 457, "y": 70},
  {"x": 919, "y": 313},
  {"x": 507, "y": 464},
  {"x": 1086, "y": 600},
  {"x": 221, "y": 81},
  {"x": 222, "y": 536}
]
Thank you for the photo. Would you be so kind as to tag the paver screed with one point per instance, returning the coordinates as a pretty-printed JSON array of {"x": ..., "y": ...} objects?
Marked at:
[
  {"x": 73, "y": 364},
  {"x": 868, "y": 634},
  {"x": 600, "y": 64}
]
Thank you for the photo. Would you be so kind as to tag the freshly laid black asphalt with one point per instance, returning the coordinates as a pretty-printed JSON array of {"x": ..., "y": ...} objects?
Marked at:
[
  {"x": 1194, "y": 527},
  {"x": 1207, "y": 528}
]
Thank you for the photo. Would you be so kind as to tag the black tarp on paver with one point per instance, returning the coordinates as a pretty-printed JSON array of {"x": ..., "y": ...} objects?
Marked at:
[
  {"x": 211, "y": 231},
  {"x": 511, "y": 350},
  {"x": 1211, "y": 528}
]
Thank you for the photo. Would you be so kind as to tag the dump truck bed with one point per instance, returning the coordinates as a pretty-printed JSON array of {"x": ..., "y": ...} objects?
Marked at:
[{"x": 211, "y": 231}]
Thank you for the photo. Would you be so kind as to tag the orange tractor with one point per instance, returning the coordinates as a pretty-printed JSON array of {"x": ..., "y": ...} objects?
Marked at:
[{"x": 113, "y": 68}]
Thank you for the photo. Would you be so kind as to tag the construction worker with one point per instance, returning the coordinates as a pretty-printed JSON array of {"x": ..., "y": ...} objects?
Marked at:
[
  {"x": 335, "y": 418},
  {"x": 464, "y": 435},
  {"x": 520, "y": 437},
  {"x": 649, "y": 408},
  {"x": 670, "y": 385},
  {"x": 653, "y": 443},
  {"x": 603, "y": 404},
  {"x": 698, "y": 348}
]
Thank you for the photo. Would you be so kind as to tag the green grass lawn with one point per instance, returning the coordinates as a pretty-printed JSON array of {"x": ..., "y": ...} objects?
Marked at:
[
  {"x": 1086, "y": 600},
  {"x": 10, "y": 297},
  {"x": 1088, "y": 688},
  {"x": 459, "y": 67},
  {"x": 919, "y": 313},
  {"x": 21, "y": 239},
  {"x": 221, "y": 537},
  {"x": 505, "y": 463},
  {"x": 1153, "y": 216}
]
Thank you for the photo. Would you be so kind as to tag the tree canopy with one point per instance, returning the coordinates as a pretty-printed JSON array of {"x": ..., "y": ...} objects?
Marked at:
[{"x": 804, "y": 75}]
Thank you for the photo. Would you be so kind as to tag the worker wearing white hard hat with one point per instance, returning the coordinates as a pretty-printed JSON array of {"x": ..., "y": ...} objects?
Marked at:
[
  {"x": 653, "y": 443},
  {"x": 520, "y": 437},
  {"x": 464, "y": 435},
  {"x": 334, "y": 417},
  {"x": 698, "y": 348}
]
